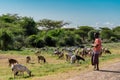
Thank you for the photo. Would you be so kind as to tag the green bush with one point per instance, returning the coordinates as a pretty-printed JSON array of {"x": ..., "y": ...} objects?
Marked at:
[
  {"x": 50, "y": 41},
  {"x": 40, "y": 43}
]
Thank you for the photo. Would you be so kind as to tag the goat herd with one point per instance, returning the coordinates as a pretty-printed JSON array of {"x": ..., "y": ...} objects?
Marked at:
[
  {"x": 16, "y": 67},
  {"x": 70, "y": 55}
]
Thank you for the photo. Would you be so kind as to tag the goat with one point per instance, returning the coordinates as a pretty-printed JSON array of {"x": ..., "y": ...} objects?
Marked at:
[
  {"x": 84, "y": 52},
  {"x": 20, "y": 68},
  {"x": 42, "y": 58},
  {"x": 68, "y": 55},
  {"x": 61, "y": 55},
  {"x": 57, "y": 52},
  {"x": 107, "y": 51},
  {"x": 79, "y": 58},
  {"x": 28, "y": 59},
  {"x": 76, "y": 58},
  {"x": 12, "y": 61}
]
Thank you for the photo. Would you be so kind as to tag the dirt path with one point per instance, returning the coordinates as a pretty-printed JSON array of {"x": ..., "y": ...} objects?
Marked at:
[{"x": 110, "y": 72}]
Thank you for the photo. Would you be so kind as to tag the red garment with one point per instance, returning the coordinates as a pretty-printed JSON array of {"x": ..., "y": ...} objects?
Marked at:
[{"x": 97, "y": 42}]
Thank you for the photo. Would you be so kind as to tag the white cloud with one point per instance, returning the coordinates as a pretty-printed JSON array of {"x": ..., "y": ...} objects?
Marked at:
[{"x": 108, "y": 24}]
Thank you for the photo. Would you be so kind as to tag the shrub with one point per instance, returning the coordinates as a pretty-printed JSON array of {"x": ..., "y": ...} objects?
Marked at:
[{"x": 50, "y": 41}]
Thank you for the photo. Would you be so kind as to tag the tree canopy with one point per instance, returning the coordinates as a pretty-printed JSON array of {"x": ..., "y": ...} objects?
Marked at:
[{"x": 17, "y": 32}]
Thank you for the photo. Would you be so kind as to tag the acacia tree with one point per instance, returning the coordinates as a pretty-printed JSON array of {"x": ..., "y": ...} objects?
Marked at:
[
  {"x": 106, "y": 33},
  {"x": 84, "y": 31},
  {"x": 81, "y": 34},
  {"x": 10, "y": 18},
  {"x": 51, "y": 24}
]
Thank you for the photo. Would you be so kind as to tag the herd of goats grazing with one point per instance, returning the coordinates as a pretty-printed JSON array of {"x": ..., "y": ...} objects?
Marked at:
[{"x": 70, "y": 55}]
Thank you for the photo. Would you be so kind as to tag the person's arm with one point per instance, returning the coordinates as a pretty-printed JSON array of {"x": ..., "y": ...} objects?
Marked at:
[{"x": 96, "y": 43}]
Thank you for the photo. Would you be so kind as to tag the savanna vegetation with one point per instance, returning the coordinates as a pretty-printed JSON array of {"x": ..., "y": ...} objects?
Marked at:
[
  {"x": 21, "y": 36},
  {"x": 18, "y": 32}
]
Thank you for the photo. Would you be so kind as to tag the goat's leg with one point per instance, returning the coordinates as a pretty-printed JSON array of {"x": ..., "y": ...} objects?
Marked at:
[
  {"x": 23, "y": 74},
  {"x": 15, "y": 73},
  {"x": 38, "y": 61}
]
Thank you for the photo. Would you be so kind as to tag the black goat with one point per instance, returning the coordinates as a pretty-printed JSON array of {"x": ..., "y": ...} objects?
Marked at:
[{"x": 42, "y": 58}]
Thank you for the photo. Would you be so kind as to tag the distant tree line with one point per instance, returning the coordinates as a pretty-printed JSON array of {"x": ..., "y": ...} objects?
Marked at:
[{"x": 17, "y": 32}]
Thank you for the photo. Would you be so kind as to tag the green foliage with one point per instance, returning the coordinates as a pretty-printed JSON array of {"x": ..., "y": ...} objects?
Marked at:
[
  {"x": 106, "y": 34},
  {"x": 69, "y": 41},
  {"x": 9, "y": 18},
  {"x": 31, "y": 40},
  {"x": 18, "y": 42},
  {"x": 91, "y": 35},
  {"x": 78, "y": 40},
  {"x": 105, "y": 28},
  {"x": 40, "y": 43},
  {"x": 5, "y": 39},
  {"x": 50, "y": 41},
  {"x": 86, "y": 28},
  {"x": 54, "y": 32},
  {"x": 41, "y": 34},
  {"x": 61, "y": 42},
  {"x": 51, "y": 24},
  {"x": 116, "y": 31},
  {"x": 83, "y": 32},
  {"x": 113, "y": 39},
  {"x": 23, "y": 32},
  {"x": 29, "y": 26}
]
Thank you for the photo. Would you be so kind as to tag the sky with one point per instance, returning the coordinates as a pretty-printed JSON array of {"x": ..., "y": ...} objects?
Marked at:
[{"x": 94, "y": 13}]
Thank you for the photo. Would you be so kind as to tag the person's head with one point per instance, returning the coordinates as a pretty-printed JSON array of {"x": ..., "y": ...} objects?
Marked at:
[{"x": 96, "y": 35}]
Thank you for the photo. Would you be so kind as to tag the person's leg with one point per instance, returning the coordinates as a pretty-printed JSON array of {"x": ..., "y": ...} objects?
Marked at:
[
  {"x": 97, "y": 61},
  {"x": 97, "y": 67},
  {"x": 92, "y": 59},
  {"x": 94, "y": 66}
]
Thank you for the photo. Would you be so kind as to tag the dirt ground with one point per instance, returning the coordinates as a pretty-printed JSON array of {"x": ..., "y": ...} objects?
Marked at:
[{"x": 110, "y": 72}]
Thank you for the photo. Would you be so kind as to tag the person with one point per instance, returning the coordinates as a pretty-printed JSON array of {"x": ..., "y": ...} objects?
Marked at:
[{"x": 96, "y": 51}]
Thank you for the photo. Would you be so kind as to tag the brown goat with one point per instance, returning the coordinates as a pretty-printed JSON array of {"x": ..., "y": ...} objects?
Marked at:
[
  {"x": 41, "y": 58},
  {"x": 12, "y": 61},
  {"x": 28, "y": 59}
]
